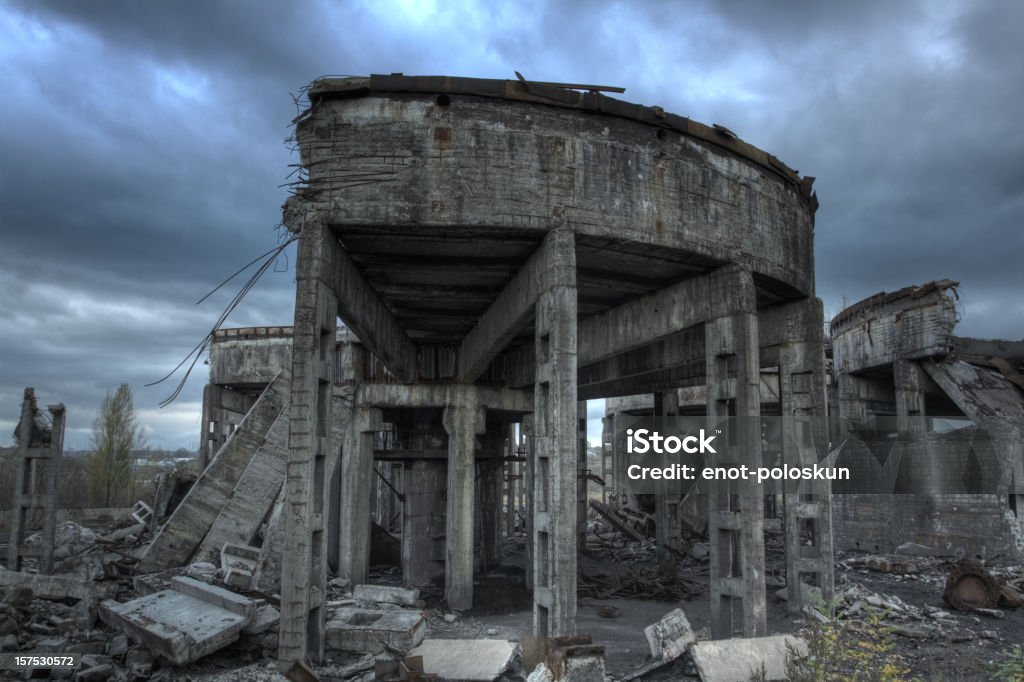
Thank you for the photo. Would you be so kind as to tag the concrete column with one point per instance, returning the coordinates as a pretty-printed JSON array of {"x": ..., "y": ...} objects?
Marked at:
[
  {"x": 489, "y": 505},
  {"x": 357, "y": 480},
  {"x": 529, "y": 480},
  {"x": 910, "y": 412},
  {"x": 803, "y": 406},
  {"x": 510, "y": 472},
  {"x": 310, "y": 453},
  {"x": 736, "y": 509},
  {"x": 607, "y": 458},
  {"x": 462, "y": 421},
  {"x": 423, "y": 528},
  {"x": 581, "y": 475},
  {"x": 666, "y": 500},
  {"x": 555, "y": 443},
  {"x": 213, "y": 436}
]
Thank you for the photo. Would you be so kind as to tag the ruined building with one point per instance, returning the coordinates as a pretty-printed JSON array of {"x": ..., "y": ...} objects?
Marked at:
[
  {"x": 503, "y": 250},
  {"x": 900, "y": 371}
]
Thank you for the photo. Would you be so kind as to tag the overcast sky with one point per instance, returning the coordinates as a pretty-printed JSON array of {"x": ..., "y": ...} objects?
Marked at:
[{"x": 141, "y": 151}]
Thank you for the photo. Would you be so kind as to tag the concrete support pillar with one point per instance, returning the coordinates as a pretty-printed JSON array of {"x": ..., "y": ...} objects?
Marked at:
[
  {"x": 581, "y": 475},
  {"x": 463, "y": 421},
  {"x": 489, "y": 506},
  {"x": 529, "y": 479},
  {"x": 607, "y": 457},
  {"x": 213, "y": 434},
  {"x": 36, "y": 482},
  {"x": 555, "y": 443},
  {"x": 851, "y": 390},
  {"x": 311, "y": 455},
  {"x": 909, "y": 383},
  {"x": 357, "y": 480},
  {"x": 423, "y": 527},
  {"x": 736, "y": 509},
  {"x": 666, "y": 501},
  {"x": 510, "y": 474},
  {"x": 805, "y": 442}
]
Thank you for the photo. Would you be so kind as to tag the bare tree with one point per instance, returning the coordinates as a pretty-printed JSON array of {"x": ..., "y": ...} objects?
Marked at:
[{"x": 115, "y": 434}]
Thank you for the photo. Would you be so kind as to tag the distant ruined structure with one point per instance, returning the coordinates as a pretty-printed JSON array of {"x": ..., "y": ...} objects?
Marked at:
[{"x": 899, "y": 368}]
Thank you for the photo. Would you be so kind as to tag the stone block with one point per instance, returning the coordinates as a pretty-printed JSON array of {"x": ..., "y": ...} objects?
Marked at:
[
  {"x": 238, "y": 563},
  {"x": 466, "y": 659},
  {"x": 728, "y": 660},
  {"x": 386, "y": 594},
  {"x": 669, "y": 637},
  {"x": 367, "y": 630}
]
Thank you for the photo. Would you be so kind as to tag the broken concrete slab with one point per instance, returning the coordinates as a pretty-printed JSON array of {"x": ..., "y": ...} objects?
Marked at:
[
  {"x": 368, "y": 630},
  {"x": 267, "y": 617},
  {"x": 175, "y": 625},
  {"x": 728, "y": 660},
  {"x": 471, "y": 660},
  {"x": 184, "y": 623},
  {"x": 238, "y": 562},
  {"x": 386, "y": 594},
  {"x": 215, "y": 596},
  {"x": 240, "y": 519},
  {"x": 181, "y": 536},
  {"x": 670, "y": 636}
]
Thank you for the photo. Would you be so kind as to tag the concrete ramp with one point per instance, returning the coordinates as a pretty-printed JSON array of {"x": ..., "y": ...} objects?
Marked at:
[
  {"x": 254, "y": 495},
  {"x": 982, "y": 394},
  {"x": 183, "y": 533}
]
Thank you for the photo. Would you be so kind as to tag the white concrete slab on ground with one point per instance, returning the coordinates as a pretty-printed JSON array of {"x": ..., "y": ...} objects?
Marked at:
[
  {"x": 468, "y": 660},
  {"x": 729, "y": 660}
]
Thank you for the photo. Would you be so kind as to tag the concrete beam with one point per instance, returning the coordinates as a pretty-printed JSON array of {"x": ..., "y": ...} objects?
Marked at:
[
  {"x": 440, "y": 395},
  {"x": 722, "y": 292},
  {"x": 674, "y": 361},
  {"x": 513, "y": 307},
  {"x": 365, "y": 312}
]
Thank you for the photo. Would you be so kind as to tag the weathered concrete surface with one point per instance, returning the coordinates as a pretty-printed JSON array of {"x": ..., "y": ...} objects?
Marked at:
[
  {"x": 469, "y": 660},
  {"x": 368, "y": 630},
  {"x": 729, "y": 660},
  {"x": 669, "y": 637},
  {"x": 910, "y": 324},
  {"x": 463, "y": 421},
  {"x": 192, "y": 520},
  {"x": 604, "y": 214},
  {"x": 239, "y": 562},
  {"x": 184, "y": 623},
  {"x": 386, "y": 594},
  {"x": 254, "y": 494},
  {"x": 312, "y": 454},
  {"x": 536, "y": 161},
  {"x": 249, "y": 356}
]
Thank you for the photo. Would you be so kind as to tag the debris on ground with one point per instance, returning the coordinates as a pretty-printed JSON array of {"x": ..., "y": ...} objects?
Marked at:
[{"x": 746, "y": 658}]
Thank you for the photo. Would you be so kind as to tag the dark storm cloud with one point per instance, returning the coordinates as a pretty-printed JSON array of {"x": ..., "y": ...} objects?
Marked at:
[{"x": 142, "y": 157}]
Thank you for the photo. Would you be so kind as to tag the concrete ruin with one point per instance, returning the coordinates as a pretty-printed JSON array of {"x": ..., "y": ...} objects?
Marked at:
[
  {"x": 504, "y": 250},
  {"x": 898, "y": 365},
  {"x": 37, "y": 473}
]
